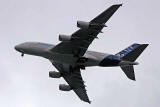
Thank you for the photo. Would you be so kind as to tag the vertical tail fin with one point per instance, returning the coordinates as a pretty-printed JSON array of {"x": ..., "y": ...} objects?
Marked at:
[{"x": 131, "y": 54}]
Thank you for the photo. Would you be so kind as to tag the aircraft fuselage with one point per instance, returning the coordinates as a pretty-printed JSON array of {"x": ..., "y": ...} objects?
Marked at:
[{"x": 44, "y": 50}]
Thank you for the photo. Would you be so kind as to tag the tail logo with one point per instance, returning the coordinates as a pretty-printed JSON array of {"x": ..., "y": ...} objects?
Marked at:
[{"x": 127, "y": 50}]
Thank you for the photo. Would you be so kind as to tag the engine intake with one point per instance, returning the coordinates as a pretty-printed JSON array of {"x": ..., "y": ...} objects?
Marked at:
[
  {"x": 83, "y": 25},
  {"x": 54, "y": 74},
  {"x": 64, "y": 37},
  {"x": 64, "y": 87}
]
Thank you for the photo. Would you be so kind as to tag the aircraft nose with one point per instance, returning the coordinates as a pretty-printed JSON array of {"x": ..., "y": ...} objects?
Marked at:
[{"x": 17, "y": 47}]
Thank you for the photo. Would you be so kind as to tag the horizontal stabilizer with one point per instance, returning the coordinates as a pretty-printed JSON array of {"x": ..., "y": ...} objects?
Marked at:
[{"x": 129, "y": 71}]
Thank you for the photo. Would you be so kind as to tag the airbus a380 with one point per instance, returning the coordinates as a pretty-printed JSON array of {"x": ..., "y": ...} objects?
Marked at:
[{"x": 71, "y": 54}]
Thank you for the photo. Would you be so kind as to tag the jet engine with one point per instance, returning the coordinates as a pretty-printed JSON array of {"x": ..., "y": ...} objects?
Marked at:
[
  {"x": 54, "y": 74},
  {"x": 64, "y": 87},
  {"x": 83, "y": 25},
  {"x": 86, "y": 25},
  {"x": 64, "y": 37}
]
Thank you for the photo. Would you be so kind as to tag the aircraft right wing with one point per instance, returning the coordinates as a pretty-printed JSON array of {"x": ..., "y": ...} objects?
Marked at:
[
  {"x": 106, "y": 15},
  {"x": 82, "y": 38}
]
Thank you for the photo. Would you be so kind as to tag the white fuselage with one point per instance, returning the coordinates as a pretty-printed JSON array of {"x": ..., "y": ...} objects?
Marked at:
[{"x": 44, "y": 50}]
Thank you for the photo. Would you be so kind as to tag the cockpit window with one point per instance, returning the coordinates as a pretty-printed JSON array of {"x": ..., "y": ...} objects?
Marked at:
[{"x": 45, "y": 44}]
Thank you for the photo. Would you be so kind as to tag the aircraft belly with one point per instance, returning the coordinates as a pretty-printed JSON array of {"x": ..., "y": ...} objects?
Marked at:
[
  {"x": 93, "y": 58},
  {"x": 64, "y": 58},
  {"x": 91, "y": 62}
]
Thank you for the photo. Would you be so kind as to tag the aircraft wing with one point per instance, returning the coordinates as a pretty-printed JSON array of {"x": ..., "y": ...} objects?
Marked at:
[
  {"x": 75, "y": 81},
  {"x": 84, "y": 37}
]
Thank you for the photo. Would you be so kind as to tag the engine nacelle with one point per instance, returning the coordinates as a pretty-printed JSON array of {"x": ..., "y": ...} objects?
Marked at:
[
  {"x": 86, "y": 25},
  {"x": 64, "y": 37},
  {"x": 83, "y": 25},
  {"x": 54, "y": 74},
  {"x": 64, "y": 87}
]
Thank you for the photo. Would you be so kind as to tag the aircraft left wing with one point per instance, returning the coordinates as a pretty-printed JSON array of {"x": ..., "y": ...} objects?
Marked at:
[
  {"x": 83, "y": 37},
  {"x": 77, "y": 84},
  {"x": 75, "y": 81}
]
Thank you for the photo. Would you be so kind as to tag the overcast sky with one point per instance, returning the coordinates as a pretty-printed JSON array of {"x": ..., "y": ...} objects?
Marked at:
[{"x": 24, "y": 82}]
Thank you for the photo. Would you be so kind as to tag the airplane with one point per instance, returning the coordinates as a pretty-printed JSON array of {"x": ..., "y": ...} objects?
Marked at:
[{"x": 71, "y": 55}]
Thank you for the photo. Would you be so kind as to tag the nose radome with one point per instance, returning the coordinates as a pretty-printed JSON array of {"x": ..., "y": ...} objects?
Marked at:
[
  {"x": 22, "y": 47},
  {"x": 16, "y": 47}
]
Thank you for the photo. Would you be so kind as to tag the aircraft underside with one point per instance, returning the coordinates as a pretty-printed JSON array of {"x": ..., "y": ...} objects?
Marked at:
[
  {"x": 87, "y": 60},
  {"x": 71, "y": 55}
]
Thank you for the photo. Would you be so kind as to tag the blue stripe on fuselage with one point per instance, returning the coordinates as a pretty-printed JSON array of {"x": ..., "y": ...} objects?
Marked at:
[
  {"x": 45, "y": 44},
  {"x": 111, "y": 60}
]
